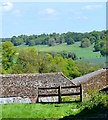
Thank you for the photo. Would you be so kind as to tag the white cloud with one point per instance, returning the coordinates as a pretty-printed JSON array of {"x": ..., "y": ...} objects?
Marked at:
[
  {"x": 6, "y": 6},
  {"x": 49, "y": 11},
  {"x": 92, "y": 7}
]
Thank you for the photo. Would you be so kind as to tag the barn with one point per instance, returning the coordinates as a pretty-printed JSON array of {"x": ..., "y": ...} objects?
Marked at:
[
  {"x": 95, "y": 80},
  {"x": 23, "y": 87}
]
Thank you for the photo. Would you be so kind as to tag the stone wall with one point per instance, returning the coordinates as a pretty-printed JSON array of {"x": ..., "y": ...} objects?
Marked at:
[
  {"x": 95, "y": 80},
  {"x": 25, "y": 85}
]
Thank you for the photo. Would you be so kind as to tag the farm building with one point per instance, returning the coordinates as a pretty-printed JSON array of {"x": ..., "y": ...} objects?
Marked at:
[
  {"x": 95, "y": 80},
  {"x": 23, "y": 87}
]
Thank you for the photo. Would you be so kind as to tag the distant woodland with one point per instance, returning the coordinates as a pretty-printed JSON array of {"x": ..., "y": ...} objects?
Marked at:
[
  {"x": 98, "y": 38},
  {"x": 29, "y": 60}
]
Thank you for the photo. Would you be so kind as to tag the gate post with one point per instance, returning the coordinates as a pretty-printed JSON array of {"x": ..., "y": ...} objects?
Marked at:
[
  {"x": 81, "y": 93},
  {"x": 59, "y": 94},
  {"x": 37, "y": 95}
]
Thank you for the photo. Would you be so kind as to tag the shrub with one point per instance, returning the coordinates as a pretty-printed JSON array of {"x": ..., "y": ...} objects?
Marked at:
[{"x": 95, "y": 98}]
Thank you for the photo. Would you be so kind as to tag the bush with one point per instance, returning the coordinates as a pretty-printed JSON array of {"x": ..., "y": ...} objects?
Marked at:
[{"x": 95, "y": 98}]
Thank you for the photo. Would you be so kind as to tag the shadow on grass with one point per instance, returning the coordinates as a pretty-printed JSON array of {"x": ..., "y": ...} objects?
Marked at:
[{"x": 96, "y": 113}]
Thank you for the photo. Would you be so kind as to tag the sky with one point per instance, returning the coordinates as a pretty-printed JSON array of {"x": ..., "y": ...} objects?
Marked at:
[{"x": 39, "y": 17}]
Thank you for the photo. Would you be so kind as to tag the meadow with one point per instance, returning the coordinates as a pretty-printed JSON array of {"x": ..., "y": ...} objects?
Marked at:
[{"x": 84, "y": 53}]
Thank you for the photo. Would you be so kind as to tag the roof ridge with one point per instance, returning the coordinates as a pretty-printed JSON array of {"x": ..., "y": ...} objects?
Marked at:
[{"x": 30, "y": 74}]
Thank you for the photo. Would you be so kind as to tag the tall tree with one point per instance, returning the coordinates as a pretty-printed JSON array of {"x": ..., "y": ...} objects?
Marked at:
[
  {"x": 8, "y": 54},
  {"x": 27, "y": 61}
]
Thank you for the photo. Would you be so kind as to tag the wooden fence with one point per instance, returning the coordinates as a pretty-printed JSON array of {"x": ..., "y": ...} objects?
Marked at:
[{"x": 59, "y": 94}]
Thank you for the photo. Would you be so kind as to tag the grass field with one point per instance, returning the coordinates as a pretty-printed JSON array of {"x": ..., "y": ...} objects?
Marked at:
[
  {"x": 85, "y": 53},
  {"x": 51, "y": 111},
  {"x": 39, "y": 110}
]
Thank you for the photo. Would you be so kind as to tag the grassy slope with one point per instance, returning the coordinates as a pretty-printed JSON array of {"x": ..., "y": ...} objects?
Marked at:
[{"x": 86, "y": 53}]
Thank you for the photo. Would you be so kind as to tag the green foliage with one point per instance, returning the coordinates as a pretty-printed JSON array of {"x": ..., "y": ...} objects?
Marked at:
[
  {"x": 17, "y": 40},
  {"x": 52, "y": 42},
  {"x": 72, "y": 69},
  {"x": 85, "y": 43},
  {"x": 31, "y": 43},
  {"x": 97, "y": 46},
  {"x": 27, "y": 61},
  {"x": 86, "y": 67},
  {"x": 8, "y": 55},
  {"x": 64, "y": 54},
  {"x": 70, "y": 41},
  {"x": 31, "y": 61},
  {"x": 95, "y": 98},
  {"x": 103, "y": 51},
  {"x": 92, "y": 39},
  {"x": 103, "y": 47},
  {"x": 100, "y": 43}
]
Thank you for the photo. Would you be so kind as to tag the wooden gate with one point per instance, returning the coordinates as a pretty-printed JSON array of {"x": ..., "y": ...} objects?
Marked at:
[{"x": 59, "y": 94}]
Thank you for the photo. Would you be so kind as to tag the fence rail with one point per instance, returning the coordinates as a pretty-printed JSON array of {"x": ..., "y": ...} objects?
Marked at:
[{"x": 59, "y": 94}]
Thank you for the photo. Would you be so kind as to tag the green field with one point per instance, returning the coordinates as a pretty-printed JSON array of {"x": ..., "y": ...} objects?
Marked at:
[
  {"x": 85, "y": 53},
  {"x": 50, "y": 111},
  {"x": 38, "y": 110}
]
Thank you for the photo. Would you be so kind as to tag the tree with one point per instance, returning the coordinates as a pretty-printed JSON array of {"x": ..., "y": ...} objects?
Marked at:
[
  {"x": 72, "y": 69},
  {"x": 104, "y": 51},
  {"x": 8, "y": 55},
  {"x": 31, "y": 43},
  {"x": 62, "y": 40},
  {"x": 72, "y": 55},
  {"x": 52, "y": 42},
  {"x": 97, "y": 46},
  {"x": 102, "y": 35},
  {"x": 27, "y": 61},
  {"x": 70, "y": 41},
  {"x": 17, "y": 40},
  {"x": 85, "y": 43},
  {"x": 67, "y": 66},
  {"x": 45, "y": 41},
  {"x": 92, "y": 39}
]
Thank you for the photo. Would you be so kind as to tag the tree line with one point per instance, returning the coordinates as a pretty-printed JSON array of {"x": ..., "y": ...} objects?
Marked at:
[{"x": 98, "y": 38}]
